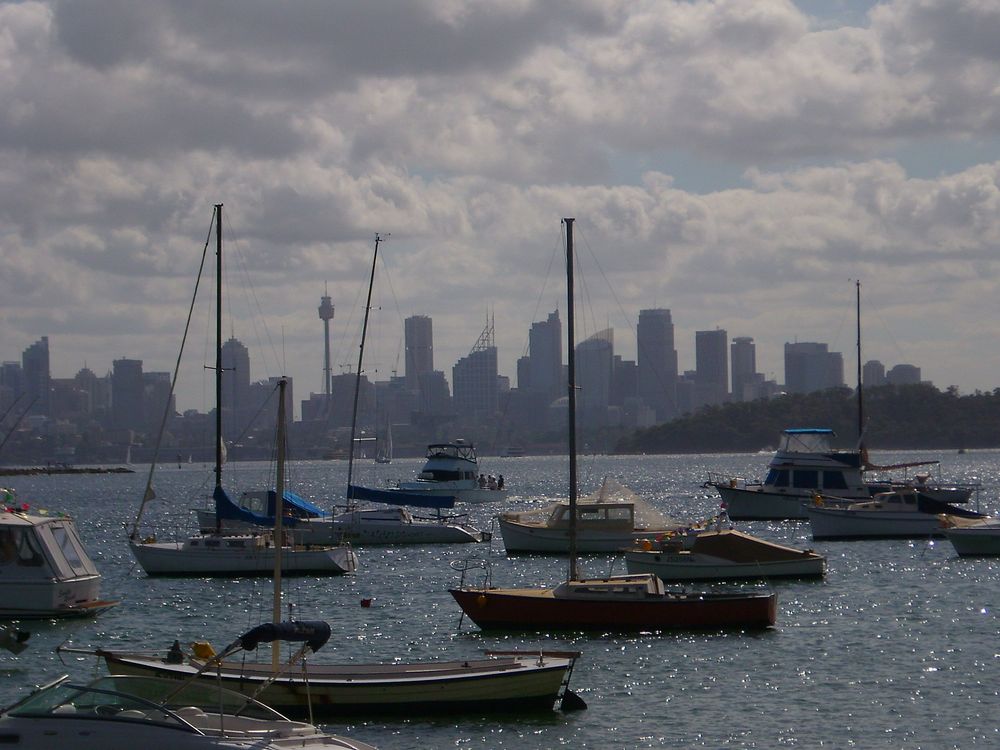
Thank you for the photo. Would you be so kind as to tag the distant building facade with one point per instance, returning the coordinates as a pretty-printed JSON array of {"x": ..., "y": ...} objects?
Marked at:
[
  {"x": 810, "y": 367},
  {"x": 711, "y": 368},
  {"x": 657, "y": 363}
]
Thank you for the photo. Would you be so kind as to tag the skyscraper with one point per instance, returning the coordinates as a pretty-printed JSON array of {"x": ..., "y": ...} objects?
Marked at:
[
  {"x": 419, "y": 334},
  {"x": 236, "y": 402},
  {"x": 127, "y": 390},
  {"x": 810, "y": 367},
  {"x": 657, "y": 362},
  {"x": 35, "y": 365},
  {"x": 595, "y": 369},
  {"x": 545, "y": 357},
  {"x": 711, "y": 367},
  {"x": 474, "y": 381},
  {"x": 744, "y": 367}
]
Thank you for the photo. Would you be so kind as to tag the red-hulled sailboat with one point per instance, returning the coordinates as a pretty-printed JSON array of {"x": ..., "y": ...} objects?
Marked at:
[{"x": 616, "y": 603}]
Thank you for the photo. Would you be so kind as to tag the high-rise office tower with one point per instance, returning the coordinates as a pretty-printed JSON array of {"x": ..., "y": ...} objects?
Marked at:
[
  {"x": 744, "y": 367},
  {"x": 810, "y": 367},
  {"x": 595, "y": 370},
  {"x": 35, "y": 365},
  {"x": 127, "y": 394},
  {"x": 476, "y": 393},
  {"x": 657, "y": 362},
  {"x": 419, "y": 336},
  {"x": 236, "y": 403},
  {"x": 545, "y": 357},
  {"x": 711, "y": 367}
]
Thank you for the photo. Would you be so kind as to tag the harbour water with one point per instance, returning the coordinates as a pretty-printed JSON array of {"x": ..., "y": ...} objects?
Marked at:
[{"x": 897, "y": 647}]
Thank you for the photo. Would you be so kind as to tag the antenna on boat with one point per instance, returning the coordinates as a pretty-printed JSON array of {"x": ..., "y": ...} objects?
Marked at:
[
  {"x": 571, "y": 404},
  {"x": 279, "y": 542}
]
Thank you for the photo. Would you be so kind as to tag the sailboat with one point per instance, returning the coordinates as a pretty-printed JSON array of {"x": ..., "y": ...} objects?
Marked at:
[
  {"x": 635, "y": 602},
  {"x": 390, "y": 524},
  {"x": 383, "y": 453},
  {"x": 254, "y": 553}
]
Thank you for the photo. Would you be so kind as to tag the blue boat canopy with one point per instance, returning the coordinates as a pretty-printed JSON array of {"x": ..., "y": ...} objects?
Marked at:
[
  {"x": 809, "y": 431},
  {"x": 294, "y": 508},
  {"x": 400, "y": 497}
]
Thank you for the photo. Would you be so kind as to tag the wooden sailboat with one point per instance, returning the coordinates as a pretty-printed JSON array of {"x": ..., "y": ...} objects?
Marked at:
[
  {"x": 636, "y": 602},
  {"x": 252, "y": 553}
]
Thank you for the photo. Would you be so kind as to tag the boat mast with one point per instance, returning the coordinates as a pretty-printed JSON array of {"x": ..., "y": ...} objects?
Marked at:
[
  {"x": 218, "y": 345},
  {"x": 861, "y": 407},
  {"x": 571, "y": 392},
  {"x": 279, "y": 541},
  {"x": 357, "y": 380}
]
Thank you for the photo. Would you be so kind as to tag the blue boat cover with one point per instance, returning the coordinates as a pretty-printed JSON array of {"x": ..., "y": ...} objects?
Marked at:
[
  {"x": 809, "y": 431},
  {"x": 400, "y": 497},
  {"x": 294, "y": 507},
  {"x": 314, "y": 632}
]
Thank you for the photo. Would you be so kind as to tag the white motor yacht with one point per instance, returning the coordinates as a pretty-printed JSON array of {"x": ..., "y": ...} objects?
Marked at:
[{"x": 45, "y": 570}]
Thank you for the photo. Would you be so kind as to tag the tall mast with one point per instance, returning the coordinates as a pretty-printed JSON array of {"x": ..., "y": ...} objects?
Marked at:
[
  {"x": 279, "y": 541},
  {"x": 218, "y": 345},
  {"x": 357, "y": 380},
  {"x": 861, "y": 403},
  {"x": 571, "y": 388}
]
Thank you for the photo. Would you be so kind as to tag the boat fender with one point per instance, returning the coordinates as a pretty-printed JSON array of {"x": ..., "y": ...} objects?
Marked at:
[
  {"x": 817, "y": 501},
  {"x": 203, "y": 649},
  {"x": 646, "y": 545}
]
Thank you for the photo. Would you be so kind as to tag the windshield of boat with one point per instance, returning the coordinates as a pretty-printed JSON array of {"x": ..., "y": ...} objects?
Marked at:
[
  {"x": 806, "y": 441},
  {"x": 145, "y": 698}
]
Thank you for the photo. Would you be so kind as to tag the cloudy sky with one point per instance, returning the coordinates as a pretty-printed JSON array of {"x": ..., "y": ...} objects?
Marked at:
[{"x": 737, "y": 162}]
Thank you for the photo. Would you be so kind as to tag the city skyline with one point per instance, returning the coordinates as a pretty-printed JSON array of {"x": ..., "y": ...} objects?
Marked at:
[{"x": 737, "y": 163}]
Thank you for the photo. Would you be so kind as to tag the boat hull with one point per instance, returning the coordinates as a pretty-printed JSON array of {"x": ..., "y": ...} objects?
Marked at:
[
  {"x": 844, "y": 523},
  {"x": 174, "y": 559},
  {"x": 40, "y": 599},
  {"x": 538, "y": 609},
  {"x": 693, "y": 567},
  {"x": 756, "y": 504},
  {"x": 359, "y": 527},
  {"x": 975, "y": 541},
  {"x": 527, "y": 681},
  {"x": 462, "y": 494}
]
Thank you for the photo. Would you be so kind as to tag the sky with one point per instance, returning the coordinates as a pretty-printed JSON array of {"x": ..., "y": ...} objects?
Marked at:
[{"x": 740, "y": 163}]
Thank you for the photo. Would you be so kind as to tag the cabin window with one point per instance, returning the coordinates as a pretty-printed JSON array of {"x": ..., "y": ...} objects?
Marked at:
[
  {"x": 20, "y": 547},
  {"x": 72, "y": 553},
  {"x": 834, "y": 480},
  {"x": 441, "y": 475},
  {"x": 808, "y": 479},
  {"x": 777, "y": 478}
]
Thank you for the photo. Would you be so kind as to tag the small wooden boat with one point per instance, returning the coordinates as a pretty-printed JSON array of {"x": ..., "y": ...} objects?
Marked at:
[
  {"x": 500, "y": 681},
  {"x": 726, "y": 554}
]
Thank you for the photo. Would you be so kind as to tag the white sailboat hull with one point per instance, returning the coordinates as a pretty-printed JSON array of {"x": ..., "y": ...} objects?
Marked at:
[
  {"x": 180, "y": 558},
  {"x": 370, "y": 526}
]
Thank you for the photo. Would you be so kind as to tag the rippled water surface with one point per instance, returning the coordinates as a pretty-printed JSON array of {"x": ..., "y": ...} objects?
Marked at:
[{"x": 897, "y": 647}]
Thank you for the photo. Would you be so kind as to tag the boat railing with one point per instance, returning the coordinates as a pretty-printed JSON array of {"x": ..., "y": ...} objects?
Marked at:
[{"x": 715, "y": 479}]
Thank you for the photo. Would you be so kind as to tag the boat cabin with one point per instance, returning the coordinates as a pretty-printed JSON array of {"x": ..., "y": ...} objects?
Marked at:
[
  {"x": 604, "y": 516},
  {"x": 42, "y": 548},
  {"x": 631, "y": 586}
]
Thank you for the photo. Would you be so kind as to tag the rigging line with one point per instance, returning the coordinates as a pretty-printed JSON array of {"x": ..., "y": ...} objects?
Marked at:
[
  {"x": 395, "y": 300},
  {"x": 148, "y": 494},
  {"x": 253, "y": 303}
]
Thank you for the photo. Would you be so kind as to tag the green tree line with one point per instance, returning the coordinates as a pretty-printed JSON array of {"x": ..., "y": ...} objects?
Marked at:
[{"x": 896, "y": 418}]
